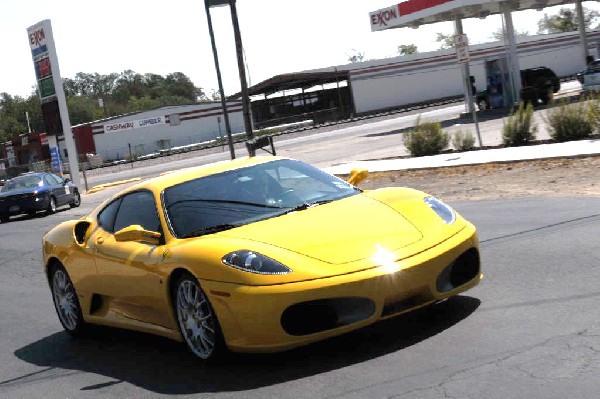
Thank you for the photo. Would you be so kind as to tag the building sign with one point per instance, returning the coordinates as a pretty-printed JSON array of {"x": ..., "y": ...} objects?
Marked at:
[
  {"x": 136, "y": 124},
  {"x": 390, "y": 16},
  {"x": 52, "y": 95},
  {"x": 55, "y": 163},
  {"x": 381, "y": 18},
  {"x": 40, "y": 54},
  {"x": 55, "y": 160}
]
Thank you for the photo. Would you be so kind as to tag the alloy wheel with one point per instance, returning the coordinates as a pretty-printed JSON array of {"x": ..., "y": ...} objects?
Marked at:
[{"x": 196, "y": 319}]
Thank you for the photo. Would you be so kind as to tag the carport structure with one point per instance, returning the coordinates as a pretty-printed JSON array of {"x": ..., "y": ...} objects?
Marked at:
[
  {"x": 272, "y": 103},
  {"x": 414, "y": 13}
]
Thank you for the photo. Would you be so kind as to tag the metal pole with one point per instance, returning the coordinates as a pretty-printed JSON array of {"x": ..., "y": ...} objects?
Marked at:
[
  {"x": 339, "y": 93},
  {"x": 458, "y": 30},
  {"x": 515, "y": 71},
  {"x": 467, "y": 82},
  {"x": 242, "y": 71},
  {"x": 582, "y": 35},
  {"x": 130, "y": 155},
  {"x": 219, "y": 80}
]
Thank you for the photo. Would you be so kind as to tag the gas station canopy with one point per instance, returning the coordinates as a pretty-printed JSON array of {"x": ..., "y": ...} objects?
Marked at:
[{"x": 413, "y": 13}]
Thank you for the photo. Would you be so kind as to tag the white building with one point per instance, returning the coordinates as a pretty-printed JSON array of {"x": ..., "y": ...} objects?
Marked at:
[
  {"x": 397, "y": 81},
  {"x": 150, "y": 131}
]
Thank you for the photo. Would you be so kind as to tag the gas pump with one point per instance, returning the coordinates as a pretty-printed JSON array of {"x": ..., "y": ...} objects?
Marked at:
[{"x": 499, "y": 89}]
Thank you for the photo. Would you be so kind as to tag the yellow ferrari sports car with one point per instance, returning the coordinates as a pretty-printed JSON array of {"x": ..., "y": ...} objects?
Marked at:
[{"x": 257, "y": 254}]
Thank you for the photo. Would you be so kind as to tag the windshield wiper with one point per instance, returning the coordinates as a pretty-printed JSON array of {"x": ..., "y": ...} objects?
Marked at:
[
  {"x": 220, "y": 201},
  {"x": 306, "y": 205},
  {"x": 209, "y": 230}
]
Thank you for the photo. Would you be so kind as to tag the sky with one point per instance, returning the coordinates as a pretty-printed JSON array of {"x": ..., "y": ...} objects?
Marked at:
[{"x": 162, "y": 37}]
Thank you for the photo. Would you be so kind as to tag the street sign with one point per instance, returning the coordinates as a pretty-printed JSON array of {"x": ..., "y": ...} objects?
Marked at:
[{"x": 461, "y": 44}]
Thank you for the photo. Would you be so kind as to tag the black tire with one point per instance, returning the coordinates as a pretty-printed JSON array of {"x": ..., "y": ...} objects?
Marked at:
[
  {"x": 51, "y": 208},
  {"x": 4, "y": 218},
  {"x": 76, "y": 200},
  {"x": 197, "y": 319},
  {"x": 66, "y": 302}
]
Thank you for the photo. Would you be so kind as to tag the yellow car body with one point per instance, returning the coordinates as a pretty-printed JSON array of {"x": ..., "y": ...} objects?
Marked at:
[{"x": 352, "y": 261}]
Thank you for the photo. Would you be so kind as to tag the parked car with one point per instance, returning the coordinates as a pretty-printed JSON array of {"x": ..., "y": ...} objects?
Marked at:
[
  {"x": 256, "y": 254},
  {"x": 590, "y": 76},
  {"x": 536, "y": 83},
  {"x": 33, "y": 192}
]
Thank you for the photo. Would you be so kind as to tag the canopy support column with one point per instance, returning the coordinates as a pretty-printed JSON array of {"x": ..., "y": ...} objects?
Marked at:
[
  {"x": 513, "y": 57},
  {"x": 582, "y": 34}
]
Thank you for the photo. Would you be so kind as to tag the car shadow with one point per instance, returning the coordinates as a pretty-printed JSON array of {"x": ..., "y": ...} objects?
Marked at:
[
  {"x": 166, "y": 367},
  {"x": 37, "y": 215}
]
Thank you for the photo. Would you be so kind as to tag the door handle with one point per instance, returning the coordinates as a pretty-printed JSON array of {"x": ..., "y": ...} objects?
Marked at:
[{"x": 99, "y": 240}]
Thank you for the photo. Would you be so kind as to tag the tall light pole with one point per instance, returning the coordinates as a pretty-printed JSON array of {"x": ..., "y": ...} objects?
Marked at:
[
  {"x": 241, "y": 68},
  {"x": 207, "y": 5},
  {"x": 239, "y": 49}
]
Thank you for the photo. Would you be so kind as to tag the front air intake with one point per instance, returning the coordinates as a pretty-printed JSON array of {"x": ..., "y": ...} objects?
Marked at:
[
  {"x": 464, "y": 269},
  {"x": 325, "y": 314}
]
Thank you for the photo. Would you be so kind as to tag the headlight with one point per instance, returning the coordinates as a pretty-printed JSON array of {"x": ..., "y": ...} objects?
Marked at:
[
  {"x": 444, "y": 211},
  {"x": 253, "y": 262}
]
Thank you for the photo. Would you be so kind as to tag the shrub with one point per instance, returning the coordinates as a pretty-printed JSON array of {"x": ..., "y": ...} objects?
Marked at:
[
  {"x": 519, "y": 129},
  {"x": 463, "y": 141},
  {"x": 572, "y": 121},
  {"x": 426, "y": 138}
]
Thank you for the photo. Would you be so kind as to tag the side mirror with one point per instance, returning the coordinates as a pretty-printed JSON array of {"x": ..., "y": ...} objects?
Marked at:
[
  {"x": 136, "y": 232},
  {"x": 357, "y": 175},
  {"x": 66, "y": 180}
]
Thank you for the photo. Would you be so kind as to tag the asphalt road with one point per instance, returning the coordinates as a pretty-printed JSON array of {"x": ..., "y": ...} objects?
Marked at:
[{"x": 530, "y": 329}]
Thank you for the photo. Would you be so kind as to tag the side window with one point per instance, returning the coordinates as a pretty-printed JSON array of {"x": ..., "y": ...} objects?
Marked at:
[
  {"x": 138, "y": 208},
  {"x": 59, "y": 179},
  {"x": 106, "y": 218},
  {"x": 51, "y": 180}
]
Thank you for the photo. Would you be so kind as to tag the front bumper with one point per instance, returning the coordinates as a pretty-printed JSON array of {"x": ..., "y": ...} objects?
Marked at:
[{"x": 279, "y": 317}]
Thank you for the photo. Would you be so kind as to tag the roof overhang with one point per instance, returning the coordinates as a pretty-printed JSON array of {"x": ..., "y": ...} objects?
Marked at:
[
  {"x": 413, "y": 13},
  {"x": 290, "y": 81}
]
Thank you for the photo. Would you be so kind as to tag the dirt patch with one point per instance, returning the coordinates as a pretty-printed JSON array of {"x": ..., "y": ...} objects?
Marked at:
[{"x": 555, "y": 177}]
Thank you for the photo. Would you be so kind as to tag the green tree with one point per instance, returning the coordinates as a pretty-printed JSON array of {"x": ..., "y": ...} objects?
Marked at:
[
  {"x": 446, "y": 41},
  {"x": 406, "y": 49},
  {"x": 500, "y": 35},
  {"x": 120, "y": 92},
  {"x": 356, "y": 56},
  {"x": 13, "y": 119},
  {"x": 566, "y": 21},
  {"x": 83, "y": 109},
  {"x": 128, "y": 84}
]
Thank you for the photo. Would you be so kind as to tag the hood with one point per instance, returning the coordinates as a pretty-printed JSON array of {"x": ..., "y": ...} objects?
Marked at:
[{"x": 343, "y": 231}]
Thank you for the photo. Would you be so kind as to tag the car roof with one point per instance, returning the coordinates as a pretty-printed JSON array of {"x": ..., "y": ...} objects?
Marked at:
[{"x": 39, "y": 174}]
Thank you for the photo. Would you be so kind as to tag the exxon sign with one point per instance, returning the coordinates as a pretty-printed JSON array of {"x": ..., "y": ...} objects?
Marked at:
[
  {"x": 381, "y": 18},
  {"x": 37, "y": 40}
]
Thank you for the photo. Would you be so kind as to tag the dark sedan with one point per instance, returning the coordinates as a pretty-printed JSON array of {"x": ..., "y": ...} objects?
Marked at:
[{"x": 34, "y": 192}]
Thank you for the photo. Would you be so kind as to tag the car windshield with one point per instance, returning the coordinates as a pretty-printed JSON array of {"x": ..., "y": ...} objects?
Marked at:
[
  {"x": 241, "y": 196},
  {"x": 22, "y": 182}
]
